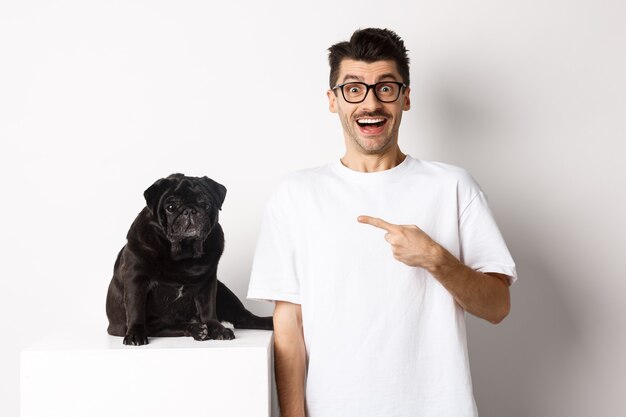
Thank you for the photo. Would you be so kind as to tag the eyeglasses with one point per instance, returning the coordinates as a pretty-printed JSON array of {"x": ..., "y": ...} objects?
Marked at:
[{"x": 385, "y": 91}]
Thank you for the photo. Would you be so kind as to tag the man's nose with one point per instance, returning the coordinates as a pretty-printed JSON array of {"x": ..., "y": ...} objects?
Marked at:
[{"x": 371, "y": 101}]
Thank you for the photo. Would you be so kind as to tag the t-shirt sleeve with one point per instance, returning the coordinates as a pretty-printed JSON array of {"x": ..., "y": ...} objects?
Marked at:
[
  {"x": 273, "y": 274},
  {"x": 482, "y": 245}
]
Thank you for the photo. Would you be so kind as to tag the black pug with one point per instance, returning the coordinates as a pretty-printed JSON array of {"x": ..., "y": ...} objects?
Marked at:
[{"x": 165, "y": 277}]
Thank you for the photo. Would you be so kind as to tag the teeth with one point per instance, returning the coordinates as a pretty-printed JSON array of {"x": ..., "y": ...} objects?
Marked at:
[{"x": 370, "y": 121}]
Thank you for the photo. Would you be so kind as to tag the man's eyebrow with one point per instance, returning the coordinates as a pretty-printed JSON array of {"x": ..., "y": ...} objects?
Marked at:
[
  {"x": 352, "y": 77},
  {"x": 359, "y": 78},
  {"x": 387, "y": 75}
]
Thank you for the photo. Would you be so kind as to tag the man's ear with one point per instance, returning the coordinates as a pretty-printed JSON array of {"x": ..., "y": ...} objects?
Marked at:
[
  {"x": 332, "y": 101},
  {"x": 406, "y": 99}
]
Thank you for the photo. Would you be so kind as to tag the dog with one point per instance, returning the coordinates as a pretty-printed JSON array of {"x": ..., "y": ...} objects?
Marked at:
[{"x": 165, "y": 277}]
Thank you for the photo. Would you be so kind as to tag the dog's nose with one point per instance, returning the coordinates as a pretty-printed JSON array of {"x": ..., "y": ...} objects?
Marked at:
[{"x": 192, "y": 211}]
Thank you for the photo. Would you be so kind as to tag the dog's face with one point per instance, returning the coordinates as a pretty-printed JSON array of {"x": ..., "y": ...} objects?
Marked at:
[{"x": 185, "y": 209}]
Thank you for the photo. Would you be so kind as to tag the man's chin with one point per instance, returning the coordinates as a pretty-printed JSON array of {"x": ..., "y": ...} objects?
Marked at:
[{"x": 373, "y": 145}]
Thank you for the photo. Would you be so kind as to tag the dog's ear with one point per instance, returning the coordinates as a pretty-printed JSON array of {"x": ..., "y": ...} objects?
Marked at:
[
  {"x": 215, "y": 189},
  {"x": 155, "y": 191}
]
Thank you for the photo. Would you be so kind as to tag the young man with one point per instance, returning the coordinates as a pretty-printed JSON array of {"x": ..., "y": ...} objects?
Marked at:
[{"x": 372, "y": 260}]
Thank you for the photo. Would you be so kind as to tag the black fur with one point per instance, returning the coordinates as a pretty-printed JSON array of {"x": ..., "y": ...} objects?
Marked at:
[{"x": 165, "y": 277}]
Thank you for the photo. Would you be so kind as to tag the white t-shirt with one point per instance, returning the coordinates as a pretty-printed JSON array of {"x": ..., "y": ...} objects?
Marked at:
[{"x": 383, "y": 339}]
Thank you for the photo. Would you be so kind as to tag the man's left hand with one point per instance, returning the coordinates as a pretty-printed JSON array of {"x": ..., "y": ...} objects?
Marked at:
[
  {"x": 409, "y": 244},
  {"x": 483, "y": 295}
]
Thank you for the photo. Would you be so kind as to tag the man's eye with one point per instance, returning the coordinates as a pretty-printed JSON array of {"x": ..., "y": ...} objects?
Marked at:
[
  {"x": 385, "y": 89},
  {"x": 354, "y": 90}
]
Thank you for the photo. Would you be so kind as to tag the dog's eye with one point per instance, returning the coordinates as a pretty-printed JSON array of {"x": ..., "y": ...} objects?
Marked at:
[{"x": 169, "y": 208}]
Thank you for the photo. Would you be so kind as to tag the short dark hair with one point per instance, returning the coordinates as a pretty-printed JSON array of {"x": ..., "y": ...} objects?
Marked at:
[{"x": 370, "y": 45}]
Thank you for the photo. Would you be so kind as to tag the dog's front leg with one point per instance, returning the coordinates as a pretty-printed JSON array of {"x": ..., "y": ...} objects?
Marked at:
[
  {"x": 135, "y": 294},
  {"x": 207, "y": 309}
]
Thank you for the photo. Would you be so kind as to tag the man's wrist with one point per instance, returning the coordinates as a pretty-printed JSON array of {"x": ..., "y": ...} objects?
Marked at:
[{"x": 443, "y": 262}]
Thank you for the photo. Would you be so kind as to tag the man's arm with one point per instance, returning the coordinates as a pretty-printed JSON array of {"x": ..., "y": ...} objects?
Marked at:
[
  {"x": 483, "y": 295},
  {"x": 290, "y": 358}
]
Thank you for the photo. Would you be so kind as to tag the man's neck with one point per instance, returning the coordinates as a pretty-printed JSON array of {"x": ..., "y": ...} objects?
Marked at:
[{"x": 374, "y": 162}]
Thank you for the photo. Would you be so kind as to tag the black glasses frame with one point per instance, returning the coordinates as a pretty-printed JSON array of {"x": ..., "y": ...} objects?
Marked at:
[{"x": 368, "y": 87}]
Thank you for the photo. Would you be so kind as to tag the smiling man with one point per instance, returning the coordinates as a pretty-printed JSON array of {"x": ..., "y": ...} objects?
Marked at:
[{"x": 373, "y": 260}]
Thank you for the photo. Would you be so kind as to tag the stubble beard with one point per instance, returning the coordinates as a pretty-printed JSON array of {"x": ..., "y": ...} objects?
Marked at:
[{"x": 368, "y": 146}]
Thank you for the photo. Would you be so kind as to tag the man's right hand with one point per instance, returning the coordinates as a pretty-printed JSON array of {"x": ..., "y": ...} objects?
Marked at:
[{"x": 290, "y": 358}]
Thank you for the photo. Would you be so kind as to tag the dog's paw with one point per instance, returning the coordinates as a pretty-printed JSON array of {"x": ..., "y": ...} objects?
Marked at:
[
  {"x": 136, "y": 337},
  {"x": 198, "y": 331},
  {"x": 210, "y": 331},
  {"x": 222, "y": 333}
]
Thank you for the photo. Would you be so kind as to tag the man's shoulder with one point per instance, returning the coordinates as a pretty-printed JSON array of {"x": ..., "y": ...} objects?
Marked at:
[
  {"x": 444, "y": 172},
  {"x": 296, "y": 183},
  {"x": 304, "y": 177},
  {"x": 439, "y": 168}
]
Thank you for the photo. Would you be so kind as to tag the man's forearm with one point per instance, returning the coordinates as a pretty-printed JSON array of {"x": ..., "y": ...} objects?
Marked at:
[
  {"x": 290, "y": 364},
  {"x": 483, "y": 295}
]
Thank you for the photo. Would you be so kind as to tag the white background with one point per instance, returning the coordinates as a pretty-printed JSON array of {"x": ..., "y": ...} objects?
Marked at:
[{"x": 98, "y": 99}]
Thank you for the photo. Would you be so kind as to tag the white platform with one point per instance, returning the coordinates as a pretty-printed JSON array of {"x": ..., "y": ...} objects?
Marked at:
[{"x": 92, "y": 375}]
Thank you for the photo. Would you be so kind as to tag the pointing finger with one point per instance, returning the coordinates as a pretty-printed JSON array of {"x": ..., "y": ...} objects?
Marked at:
[{"x": 376, "y": 222}]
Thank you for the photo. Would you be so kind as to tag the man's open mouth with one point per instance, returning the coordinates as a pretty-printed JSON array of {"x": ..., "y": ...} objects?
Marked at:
[{"x": 371, "y": 125}]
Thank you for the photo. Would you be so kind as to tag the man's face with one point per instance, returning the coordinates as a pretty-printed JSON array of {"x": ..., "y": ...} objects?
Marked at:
[{"x": 360, "y": 133}]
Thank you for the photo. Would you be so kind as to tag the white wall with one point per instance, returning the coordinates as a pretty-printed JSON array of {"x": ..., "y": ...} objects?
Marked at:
[{"x": 100, "y": 98}]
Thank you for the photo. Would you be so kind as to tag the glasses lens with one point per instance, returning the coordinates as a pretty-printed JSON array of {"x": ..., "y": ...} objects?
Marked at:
[
  {"x": 387, "y": 92},
  {"x": 354, "y": 92}
]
